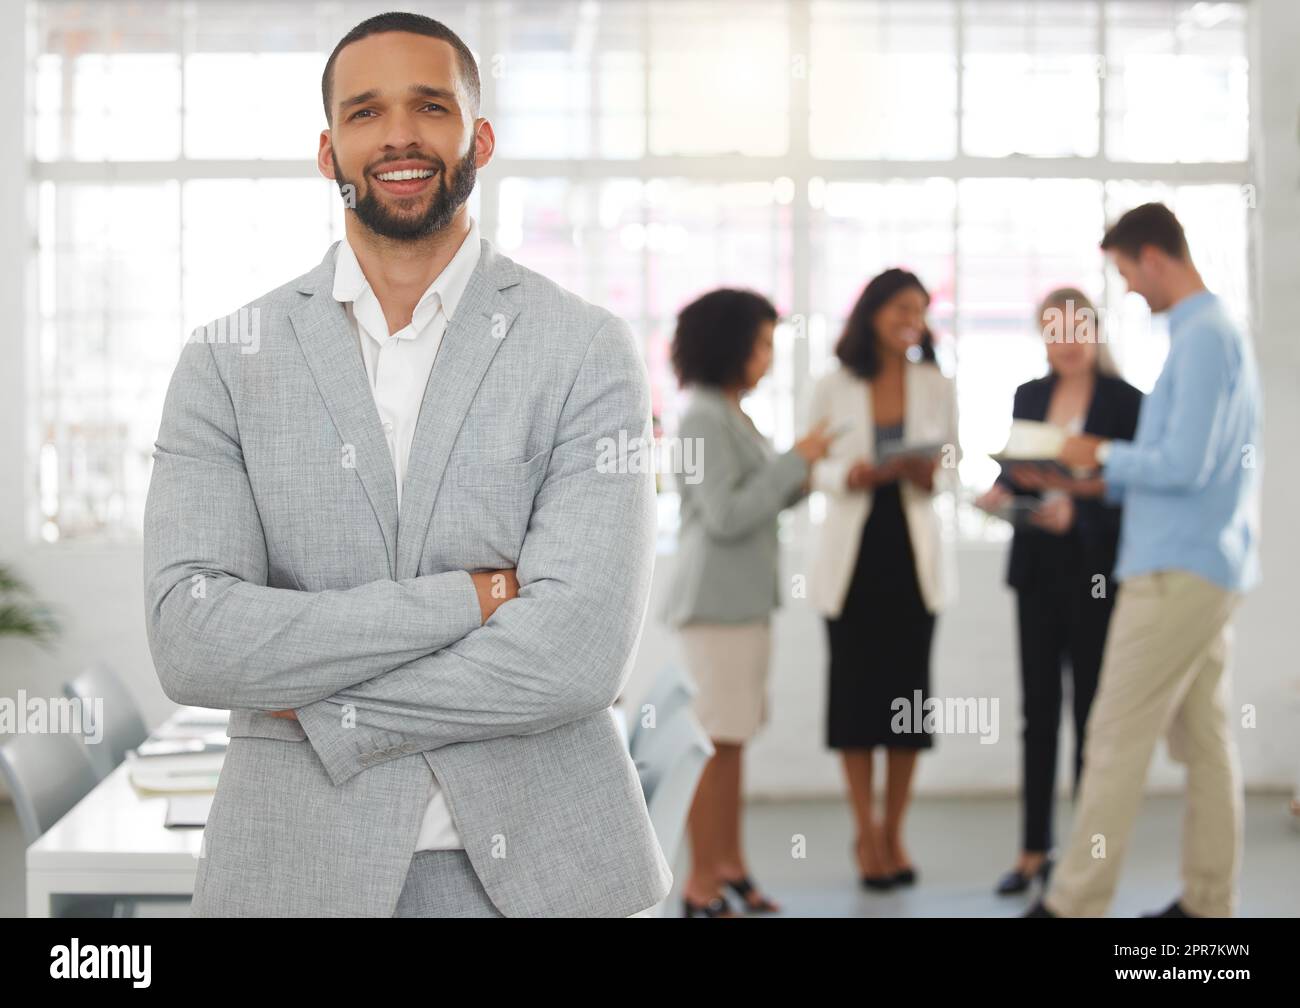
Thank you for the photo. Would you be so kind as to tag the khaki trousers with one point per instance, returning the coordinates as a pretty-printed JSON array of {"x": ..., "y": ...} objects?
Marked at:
[{"x": 1164, "y": 673}]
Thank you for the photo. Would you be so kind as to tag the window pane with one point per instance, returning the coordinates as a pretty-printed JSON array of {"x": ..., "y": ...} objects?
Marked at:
[
  {"x": 863, "y": 228},
  {"x": 736, "y": 55},
  {"x": 244, "y": 237},
  {"x": 125, "y": 107},
  {"x": 252, "y": 105},
  {"x": 108, "y": 84},
  {"x": 1031, "y": 79},
  {"x": 110, "y": 320},
  {"x": 883, "y": 80},
  {"x": 1176, "y": 81},
  {"x": 570, "y": 82}
]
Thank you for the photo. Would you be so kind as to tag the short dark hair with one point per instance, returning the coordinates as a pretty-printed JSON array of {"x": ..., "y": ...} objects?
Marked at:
[
  {"x": 858, "y": 349},
  {"x": 1148, "y": 224},
  {"x": 716, "y": 334},
  {"x": 415, "y": 24}
]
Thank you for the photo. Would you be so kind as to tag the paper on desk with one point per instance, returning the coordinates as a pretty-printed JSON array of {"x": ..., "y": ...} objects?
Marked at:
[
  {"x": 188, "y": 811},
  {"x": 187, "y": 772}
]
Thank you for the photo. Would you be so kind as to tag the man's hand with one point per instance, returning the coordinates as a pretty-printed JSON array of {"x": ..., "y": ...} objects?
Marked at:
[
  {"x": 1034, "y": 478},
  {"x": 1080, "y": 451},
  {"x": 494, "y": 588}
]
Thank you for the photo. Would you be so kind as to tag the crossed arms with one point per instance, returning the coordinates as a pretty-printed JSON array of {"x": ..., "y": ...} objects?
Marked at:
[{"x": 407, "y": 661}]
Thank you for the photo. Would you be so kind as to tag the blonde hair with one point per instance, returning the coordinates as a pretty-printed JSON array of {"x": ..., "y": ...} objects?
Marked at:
[{"x": 1072, "y": 297}]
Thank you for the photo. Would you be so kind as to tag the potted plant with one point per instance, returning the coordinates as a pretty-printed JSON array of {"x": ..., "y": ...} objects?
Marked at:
[{"x": 21, "y": 614}]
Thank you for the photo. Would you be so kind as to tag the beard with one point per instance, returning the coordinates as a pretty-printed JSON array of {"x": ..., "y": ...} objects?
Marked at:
[{"x": 449, "y": 194}]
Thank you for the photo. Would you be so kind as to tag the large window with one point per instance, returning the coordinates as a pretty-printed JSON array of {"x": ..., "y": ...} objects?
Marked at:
[{"x": 647, "y": 152}]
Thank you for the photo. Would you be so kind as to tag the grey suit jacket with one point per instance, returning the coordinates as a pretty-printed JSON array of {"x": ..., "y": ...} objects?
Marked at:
[
  {"x": 727, "y": 565},
  {"x": 277, "y": 575}
]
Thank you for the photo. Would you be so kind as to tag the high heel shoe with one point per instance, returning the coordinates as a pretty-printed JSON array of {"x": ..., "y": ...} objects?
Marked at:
[
  {"x": 743, "y": 887},
  {"x": 905, "y": 876},
  {"x": 1016, "y": 881},
  {"x": 876, "y": 883},
  {"x": 716, "y": 907}
]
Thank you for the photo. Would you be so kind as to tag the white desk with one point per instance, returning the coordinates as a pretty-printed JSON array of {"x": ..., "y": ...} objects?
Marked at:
[{"x": 113, "y": 842}]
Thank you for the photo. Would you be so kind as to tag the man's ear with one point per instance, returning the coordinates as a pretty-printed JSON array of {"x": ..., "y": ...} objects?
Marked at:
[
  {"x": 324, "y": 161},
  {"x": 1148, "y": 260}
]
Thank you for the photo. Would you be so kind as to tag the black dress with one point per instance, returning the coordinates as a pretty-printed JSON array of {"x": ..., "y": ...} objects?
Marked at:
[{"x": 880, "y": 644}]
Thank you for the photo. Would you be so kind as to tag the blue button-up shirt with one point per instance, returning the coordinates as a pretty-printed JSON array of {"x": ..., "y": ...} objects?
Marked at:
[{"x": 1189, "y": 481}]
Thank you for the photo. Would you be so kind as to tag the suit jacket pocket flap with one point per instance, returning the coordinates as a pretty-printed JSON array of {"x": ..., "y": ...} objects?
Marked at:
[{"x": 498, "y": 473}]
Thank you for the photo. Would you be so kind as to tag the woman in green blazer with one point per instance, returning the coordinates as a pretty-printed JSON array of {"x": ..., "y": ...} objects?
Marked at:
[{"x": 726, "y": 580}]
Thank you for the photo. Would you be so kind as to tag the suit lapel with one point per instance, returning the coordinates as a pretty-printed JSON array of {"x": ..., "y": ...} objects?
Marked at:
[
  {"x": 330, "y": 346},
  {"x": 483, "y": 318}
]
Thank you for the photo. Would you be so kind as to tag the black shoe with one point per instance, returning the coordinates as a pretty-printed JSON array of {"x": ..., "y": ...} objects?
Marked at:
[
  {"x": 1016, "y": 881},
  {"x": 1174, "y": 909},
  {"x": 716, "y": 907},
  {"x": 906, "y": 876},
  {"x": 1038, "y": 910},
  {"x": 879, "y": 883},
  {"x": 742, "y": 887}
]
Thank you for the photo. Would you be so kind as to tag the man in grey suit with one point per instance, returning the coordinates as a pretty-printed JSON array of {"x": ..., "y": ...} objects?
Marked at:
[{"x": 420, "y": 708}]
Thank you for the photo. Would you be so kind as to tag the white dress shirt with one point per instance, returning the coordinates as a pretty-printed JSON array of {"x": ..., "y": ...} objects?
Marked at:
[{"x": 398, "y": 367}]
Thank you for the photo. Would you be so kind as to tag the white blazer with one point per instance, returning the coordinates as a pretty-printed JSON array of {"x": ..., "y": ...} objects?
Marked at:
[{"x": 930, "y": 415}]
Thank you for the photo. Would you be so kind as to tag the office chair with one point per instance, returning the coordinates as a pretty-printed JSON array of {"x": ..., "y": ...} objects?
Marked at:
[
  {"x": 46, "y": 776},
  {"x": 123, "y": 727},
  {"x": 673, "y": 755},
  {"x": 671, "y": 691}
]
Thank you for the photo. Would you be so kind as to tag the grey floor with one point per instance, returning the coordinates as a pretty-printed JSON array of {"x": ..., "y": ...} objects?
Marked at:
[{"x": 960, "y": 846}]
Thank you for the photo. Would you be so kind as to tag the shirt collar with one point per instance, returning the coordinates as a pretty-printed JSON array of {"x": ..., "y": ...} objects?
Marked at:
[
  {"x": 351, "y": 285},
  {"x": 1189, "y": 306}
]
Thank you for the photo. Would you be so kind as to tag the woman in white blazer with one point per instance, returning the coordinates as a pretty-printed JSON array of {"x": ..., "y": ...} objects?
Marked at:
[{"x": 880, "y": 571}]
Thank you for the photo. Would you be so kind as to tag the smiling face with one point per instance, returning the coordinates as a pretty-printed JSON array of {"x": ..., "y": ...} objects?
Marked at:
[
  {"x": 900, "y": 322},
  {"x": 403, "y": 134}
]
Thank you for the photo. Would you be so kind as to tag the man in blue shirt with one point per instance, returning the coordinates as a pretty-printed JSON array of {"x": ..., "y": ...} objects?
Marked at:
[{"x": 1189, "y": 549}]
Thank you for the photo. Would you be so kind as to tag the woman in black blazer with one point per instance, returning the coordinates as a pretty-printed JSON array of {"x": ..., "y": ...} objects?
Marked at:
[{"x": 1062, "y": 559}]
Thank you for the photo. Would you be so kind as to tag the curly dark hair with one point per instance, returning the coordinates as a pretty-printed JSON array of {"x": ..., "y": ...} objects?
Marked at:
[
  {"x": 858, "y": 348},
  {"x": 715, "y": 336}
]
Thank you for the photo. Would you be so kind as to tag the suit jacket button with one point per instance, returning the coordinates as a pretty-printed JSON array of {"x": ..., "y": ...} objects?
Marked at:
[
  {"x": 409, "y": 747},
  {"x": 394, "y": 751}
]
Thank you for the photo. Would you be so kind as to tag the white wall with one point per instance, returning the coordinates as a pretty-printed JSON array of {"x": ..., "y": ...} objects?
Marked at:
[{"x": 98, "y": 588}]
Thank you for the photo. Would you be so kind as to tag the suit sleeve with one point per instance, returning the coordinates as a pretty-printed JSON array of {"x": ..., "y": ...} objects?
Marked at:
[
  {"x": 219, "y": 636},
  {"x": 1019, "y": 411},
  {"x": 732, "y": 506},
  {"x": 562, "y": 649},
  {"x": 830, "y": 475}
]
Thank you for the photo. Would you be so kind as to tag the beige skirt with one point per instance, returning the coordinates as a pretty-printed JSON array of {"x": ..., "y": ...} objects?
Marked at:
[{"x": 729, "y": 665}]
